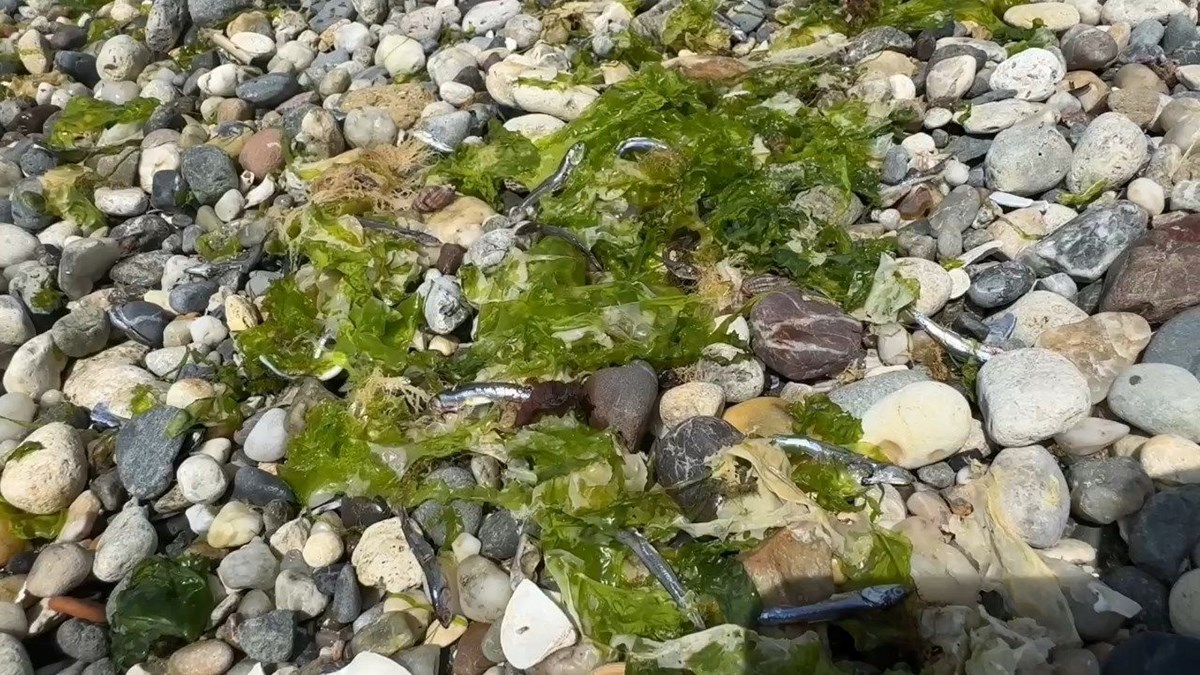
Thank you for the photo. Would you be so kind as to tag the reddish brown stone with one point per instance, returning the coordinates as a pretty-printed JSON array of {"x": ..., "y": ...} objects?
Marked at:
[
  {"x": 468, "y": 651},
  {"x": 1157, "y": 277},
  {"x": 802, "y": 338},
  {"x": 794, "y": 566},
  {"x": 262, "y": 154}
]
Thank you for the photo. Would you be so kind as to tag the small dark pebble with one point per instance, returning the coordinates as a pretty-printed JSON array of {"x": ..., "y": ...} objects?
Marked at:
[{"x": 255, "y": 486}]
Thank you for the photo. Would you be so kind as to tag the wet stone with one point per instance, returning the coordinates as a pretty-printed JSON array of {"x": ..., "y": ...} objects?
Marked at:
[
  {"x": 802, "y": 338},
  {"x": 1001, "y": 284},
  {"x": 680, "y": 461},
  {"x": 146, "y": 449},
  {"x": 255, "y": 486}
]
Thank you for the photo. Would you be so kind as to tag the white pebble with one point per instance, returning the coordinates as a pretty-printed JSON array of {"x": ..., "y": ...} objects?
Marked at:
[{"x": 201, "y": 479}]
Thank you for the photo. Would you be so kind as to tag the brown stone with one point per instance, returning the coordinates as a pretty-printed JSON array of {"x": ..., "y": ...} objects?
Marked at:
[
  {"x": 802, "y": 338},
  {"x": 1100, "y": 346},
  {"x": 468, "y": 652},
  {"x": 450, "y": 258},
  {"x": 794, "y": 566},
  {"x": 1157, "y": 277},
  {"x": 234, "y": 110},
  {"x": 262, "y": 154},
  {"x": 403, "y": 102},
  {"x": 919, "y": 203},
  {"x": 709, "y": 68}
]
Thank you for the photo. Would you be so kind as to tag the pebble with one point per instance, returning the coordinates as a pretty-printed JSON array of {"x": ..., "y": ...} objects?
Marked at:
[
  {"x": 270, "y": 638},
  {"x": 1101, "y": 346},
  {"x": 267, "y": 441},
  {"x": 297, "y": 592},
  {"x": 1001, "y": 284},
  {"x": 691, "y": 399},
  {"x": 383, "y": 558},
  {"x": 206, "y": 657},
  {"x": 483, "y": 589},
  {"x": 235, "y": 525},
  {"x": 1087, "y": 245},
  {"x": 1029, "y": 395},
  {"x": 1177, "y": 342},
  {"x": 1032, "y": 494},
  {"x": 1038, "y": 311},
  {"x": 127, "y": 540},
  {"x": 1030, "y": 74},
  {"x": 622, "y": 399},
  {"x": 201, "y": 479},
  {"x": 1171, "y": 460},
  {"x": 1183, "y": 602},
  {"x": 81, "y": 640},
  {"x": 739, "y": 374},
  {"x": 13, "y": 655},
  {"x": 925, "y": 421},
  {"x": 47, "y": 472},
  {"x": 1159, "y": 398},
  {"x": 58, "y": 569},
  {"x": 1105, "y": 490},
  {"x": 146, "y": 450},
  {"x": 1090, "y": 436},
  {"x": 803, "y": 338},
  {"x": 1027, "y": 159}
]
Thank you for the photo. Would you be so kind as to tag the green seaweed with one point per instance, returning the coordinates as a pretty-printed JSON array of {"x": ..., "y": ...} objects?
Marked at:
[
  {"x": 331, "y": 455},
  {"x": 144, "y": 399},
  {"x": 692, "y": 25},
  {"x": 84, "y": 119},
  {"x": 29, "y": 526},
  {"x": 878, "y": 557},
  {"x": 818, "y": 417},
  {"x": 166, "y": 604},
  {"x": 68, "y": 192},
  {"x": 726, "y": 649},
  {"x": 711, "y": 570},
  {"x": 1081, "y": 199}
]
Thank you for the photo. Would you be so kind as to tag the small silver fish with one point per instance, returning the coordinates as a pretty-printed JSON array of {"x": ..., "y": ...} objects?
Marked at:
[
  {"x": 479, "y": 393},
  {"x": 439, "y": 589},
  {"x": 554, "y": 183},
  {"x": 244, "y": 263},
  {"x": 734, "y": 29},
  {"x": 641, "y": 144},
  {"x": 836, "y": 607},
  {"x": 422, "y": 238},
  {"x": 959, "y": 346},
  {"x": 101, "y": 415},
  {"x": 657, "y": 566},
  {"x": 866, "y": 470}
]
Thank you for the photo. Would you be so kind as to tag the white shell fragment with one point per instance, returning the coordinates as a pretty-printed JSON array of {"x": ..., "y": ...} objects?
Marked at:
[{"x": 533, "y": 627}]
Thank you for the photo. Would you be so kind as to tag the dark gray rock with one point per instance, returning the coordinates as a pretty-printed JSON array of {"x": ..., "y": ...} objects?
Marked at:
[
  {"x": 1180, "y": 31},
  {"x": 270, "y": 638},
  {"x": 268, "y": 91},
  {"x": 895, "y": 165},
  {"x": 1177, "y": 342},
  {"x": 81, "y": 66},
  {"x": 1090, "y": 50},
  {"x": 359, "y": 513},
  {"x": 209, "y": 172},
  {"x": 82, "y": 640},
  {"x": 104, "y": 666},
  {"x": 1088, "y": 244},
  {"x": 967, "y": 149},
  {"x": 37, "y": 160},
  {"x": 875, "y": 40},
  {"x": 29, "y": 206},
  {"x": 432, "y": 516},
  {"x": 1107, "y": 489},
  {"x": 939, "y": 475},
  {"x": 347, "y": 597},
  {"x": 82, "y": 332},
  {"x": 1001, "y": 284},
  {"x": 1146, "y": 591},
  {"x": 623, "y": 398},
  {"x": 498, "y": 535},
  {"x": 957, "y": 211},
  {"x": 255, "y": 486},
  {"x": 680, "y": 463},
  {"x": 141, "y": 270},
  {"x": 211, "y": 12},
  {"x": 168, "y": 190},
  {"x": 330, "y": 12},
  {"x": 165, "y": 23},
  {"x": 1163, "y": 533},
  {"x": 146, "y": 449},
  {"x": 191, "y": 297},
  {"x": 141, "y": 321},
  {"x": 802, "y": 338},
  {"x": 1153, "y": 653},
  {"x": 142, "y": 233}
]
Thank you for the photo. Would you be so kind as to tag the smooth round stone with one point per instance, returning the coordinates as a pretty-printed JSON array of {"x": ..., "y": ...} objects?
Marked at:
[
  {"x": 1137, "y": 585},
  {"x": 1027, "y": 159},
  {"x": 48, "y": 477},
  {"x": 1184, "y": 604},
  {"x": 267, "y": 441},
  {"x": 691, "y": 399},
  {"x": 1090, "y": 436},
  {"x": 1001, "y": 284},
  {"x": 1147, "y": 194},
  {"x": 1089, "y": 49},
  {"x": 206, "y": 657},
  {"x": 923, "y": 423},
  {"x": 1038, "y": 311},
  {"x": 128, "y": 539},
  {"x": 1057, "y": 16},
  {"x": 933, "y": 280},
  {"x": 1158, "y": 397},
  {"x": 1032, "y": 494},
  {"x": 1030, "y": 74},
  {"x": 201, "y": 479},
  {"x": 1111, "y": 151},
  {"x": 1171, "y": 460},
  {"x": 1107, "y": 489},
  {"x": 1101, "y": 346},
  {"x": 1028, "y": 395}
]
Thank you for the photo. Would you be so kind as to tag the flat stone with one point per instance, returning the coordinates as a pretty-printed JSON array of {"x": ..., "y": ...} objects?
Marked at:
[
  {"x": 1159, "y": 398},
  {"x": 1101, "y": 346},
  {"x": 1157, "y": 277},
  {"x": 1027, "y": 159},
  {"x": 1029, "y": 395},
  {"x": 802, "y": 338},
  {"x": 146, "y": 448},
  {"x": 1087, "y": 245},
  {"x": 1031, "y": 493},
  {"x": 1177, "y": 342},
  {"x": 1105, "y": 490}
]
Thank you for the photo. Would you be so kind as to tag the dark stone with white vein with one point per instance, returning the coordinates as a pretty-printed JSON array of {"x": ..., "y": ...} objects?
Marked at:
[
  {"x": 681, "y": 463},
  {"x": 802, "y": 338},
  {"x": 1088, "y": 244}
]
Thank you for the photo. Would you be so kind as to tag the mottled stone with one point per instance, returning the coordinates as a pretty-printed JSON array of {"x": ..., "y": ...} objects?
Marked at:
[{"x": 803, "y": 338}]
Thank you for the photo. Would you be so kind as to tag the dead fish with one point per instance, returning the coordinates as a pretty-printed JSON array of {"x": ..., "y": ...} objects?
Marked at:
[
  {"x": 641, "y": 144},
  {"x": 734, "y": 29},
  {"x": 548, "y": 398},
  {"x": 657, "y": 566},
  {"x": 439, "y": 589},
  {"x": 101, "y": 415},
  {"x": 554, "y": 183},
  {"x": 866, "y": 470},
  {"x": 959, "y": 346},
  {"x": 479, "y": 393},
  {"x": 836, "y": 607},
  {"x": 422, "y": 238}
]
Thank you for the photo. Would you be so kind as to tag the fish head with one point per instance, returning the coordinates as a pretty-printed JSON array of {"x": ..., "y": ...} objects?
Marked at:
[
  {"x": 890, "y": 474},
  {"x": 885, "y": 595}
]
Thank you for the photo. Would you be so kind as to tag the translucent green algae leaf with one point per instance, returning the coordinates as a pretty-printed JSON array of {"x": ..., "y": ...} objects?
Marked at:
[
  {"x": 165, "y": 605},
  {"x": 29, "y": 526},
  {"x": 818, "y": 417},
  {"x": 68, "y": 192},
  {"x": 84, "y": 119},
  {"x": 727, "y": 649},
  {"x": 693, "y": 26},
  {"x": 331, "y": 455}
]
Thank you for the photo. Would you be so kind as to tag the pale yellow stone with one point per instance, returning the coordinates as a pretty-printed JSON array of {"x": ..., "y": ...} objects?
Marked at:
[{"x": 762, "y": 416}]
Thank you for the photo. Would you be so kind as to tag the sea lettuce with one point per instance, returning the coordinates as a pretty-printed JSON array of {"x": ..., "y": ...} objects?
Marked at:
[{"x": 165, "y": 605}]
